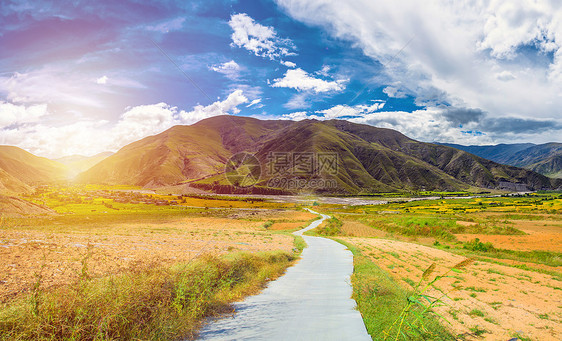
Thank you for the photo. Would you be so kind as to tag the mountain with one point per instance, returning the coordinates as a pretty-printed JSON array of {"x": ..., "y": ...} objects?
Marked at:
[
  {"x": 306, "y": 156},
  {"x": 77, "y": 164},
  {"x": 542, "y": 158},
  {"x": 182, "y": 152},
  {"x": 27, "y": 168},
  {"x": 551, "y": 166},
  {"x": 500, "y": 153},
  {"x": 9, "y": 184},
  {"x": 16, "y": 207}
]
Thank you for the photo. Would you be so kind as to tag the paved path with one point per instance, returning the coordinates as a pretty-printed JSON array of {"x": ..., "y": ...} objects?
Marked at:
[{"x": 310, "y": 302}]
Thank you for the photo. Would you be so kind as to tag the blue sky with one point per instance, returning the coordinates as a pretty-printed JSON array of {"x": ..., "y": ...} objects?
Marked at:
[{"x": 82, "y": 77}]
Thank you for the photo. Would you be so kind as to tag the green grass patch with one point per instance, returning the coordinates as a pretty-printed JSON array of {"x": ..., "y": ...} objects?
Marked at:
[
  {"x": 476, "y": 312},
  {"x": 331, "y": 227},
  {"x": 381, "y": 300}
]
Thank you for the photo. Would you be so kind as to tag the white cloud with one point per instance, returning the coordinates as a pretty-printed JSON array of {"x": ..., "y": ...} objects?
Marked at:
[
  {"x": 339, "y": 111},
  {"x": 299, "y": 79},
  {"x": 144, "y": 120},
  {"x": 297, "y": 101},
  {"x": 456, "y": 52},
  {"x": 261, "y": 40},
  {"x": 505, "y": 76},
  {"x": 345, "y": 110},
  {"x": 295, "y": 116},
  {"x": 11, "y": 114},
  {"x": 229, "y": 105},
  {"x": 324, "y": 71},
  {"x": 423, "y": 125},
  {"x": 102, "y": 80},
  {"x": 25, "y": 127},
  {"x": 230, "y": 69},
  {"x": 394, "y": 92},
  {"x": 288, "y": 64},
  {"x": 254, "y": 102}
]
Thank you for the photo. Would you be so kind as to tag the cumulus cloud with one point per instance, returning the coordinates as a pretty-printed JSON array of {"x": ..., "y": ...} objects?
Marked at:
[
  {"x": 84, "y": 138},
  {"x": 505, "y": 76},
  {"x": 394, "y": 92},
  {"x": 261, "y": 40},
  {"x": 461, "y": 125},
  {"x": 229, "y": 105},
  {"x": 12, "y": 114},
  {"x": 144, "y": 120},
  {"x": 350, "y": 111},
  {"x": 460, "y": 116},
  {"x": 230, "y": 69},
  {"x": 503, "y": 57},
  {"x": 24, "y": 127},
  {"x": 288, "y": 64},
  {"x": 102, "y": 80},
  {"x": 295, "y": 116},
  {"x": 423, "y": 125},
  {"x": 299, "y": 79}
]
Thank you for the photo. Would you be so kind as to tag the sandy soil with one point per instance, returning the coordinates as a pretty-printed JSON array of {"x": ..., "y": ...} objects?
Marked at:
[
  {"x": 502, "y": 300},
  {"x": 541, "y": 235},
  {"x": 60, "y": 257}
]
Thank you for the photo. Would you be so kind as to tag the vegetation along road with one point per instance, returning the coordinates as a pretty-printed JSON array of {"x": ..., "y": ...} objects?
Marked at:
[{"x": 310, "y": 302}]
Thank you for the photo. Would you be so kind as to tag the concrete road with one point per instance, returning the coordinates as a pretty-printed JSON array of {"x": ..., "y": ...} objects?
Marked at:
[{"x": 312, "y": 301}]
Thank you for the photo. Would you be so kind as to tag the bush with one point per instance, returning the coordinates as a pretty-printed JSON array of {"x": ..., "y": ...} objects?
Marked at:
[
  {"x": 477, "y": 245},
  {"x": 332, "y": 227}
]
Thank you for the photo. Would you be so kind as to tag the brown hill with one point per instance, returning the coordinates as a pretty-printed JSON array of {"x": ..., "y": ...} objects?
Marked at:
[
  {"x": 28, "y": 168},
  {"x": 77, "y": 164},
  {"x": 365, "y": 159}
]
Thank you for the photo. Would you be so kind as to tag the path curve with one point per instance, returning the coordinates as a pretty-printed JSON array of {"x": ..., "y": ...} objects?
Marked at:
[{"x": 312, "y": 301}]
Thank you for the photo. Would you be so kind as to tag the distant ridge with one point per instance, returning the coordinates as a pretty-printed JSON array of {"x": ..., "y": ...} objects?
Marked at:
[
  {"x": 369, "y": 159},
  {"x": 19, "y": 169},
  {"x": 543, "y": 158},
  {"x": 77, "y": 164}
]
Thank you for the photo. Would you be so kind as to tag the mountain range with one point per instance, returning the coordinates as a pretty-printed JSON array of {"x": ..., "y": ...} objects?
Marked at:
[
  {"x": 367, "y": 159},
  {"x": 20, "y": 170},
  {"x": 280, "y": 156},
  {"x": 543, "y": 158}
]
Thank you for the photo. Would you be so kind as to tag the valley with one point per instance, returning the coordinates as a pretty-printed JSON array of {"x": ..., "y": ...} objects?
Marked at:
[
  {"x": 206, "y": 213},
  {"x": 93, "y": 233}
]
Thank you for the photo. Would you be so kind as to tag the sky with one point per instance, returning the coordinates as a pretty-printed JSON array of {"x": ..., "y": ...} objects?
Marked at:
[{"x": 84, "y": 77}]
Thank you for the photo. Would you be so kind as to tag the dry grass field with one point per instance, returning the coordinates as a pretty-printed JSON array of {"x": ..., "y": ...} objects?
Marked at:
[
  {"x": 494, "y": 301},
  {"x": 94, "y": 237},
  {"x": 60, "y": 256},
  {"x": 513, "y": 288},
  {"x": 119, "y": 263}
]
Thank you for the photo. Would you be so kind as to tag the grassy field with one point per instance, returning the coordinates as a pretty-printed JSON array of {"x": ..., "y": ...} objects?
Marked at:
[
  {"x": 152, "y": 302},
  {"x": 112, "y": 264},
  {"x": 511, "y": 290},
  {"x": 187, "y": 257}
]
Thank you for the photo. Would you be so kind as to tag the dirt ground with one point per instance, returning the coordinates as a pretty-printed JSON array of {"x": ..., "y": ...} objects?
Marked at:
[
  {"x": 540, "y": 235},
  {"x": 499, "y": 301},
  {"x": 38, "y": 256}
]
